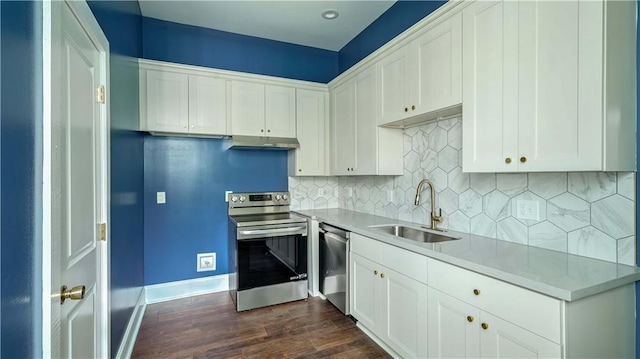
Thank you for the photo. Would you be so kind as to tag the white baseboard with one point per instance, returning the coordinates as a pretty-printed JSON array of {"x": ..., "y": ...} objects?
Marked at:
[
  {"x": 186, "y": 288},
  {"x": 131, "y": 333}
]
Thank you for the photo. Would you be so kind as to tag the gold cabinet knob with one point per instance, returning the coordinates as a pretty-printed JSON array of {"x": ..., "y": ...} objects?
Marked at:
[
  {"x": 75, "y": 293},
  {"x": 413, "y": 107},
  {"x": 269, "y": 131},
  {"x": 193, "y": 126},
  {"x": 381, "y": 275},
  {"x": 375, "y": 272},
  {"x": 484, "y": 326},
  {"x": 184, "y": 126},
  {"x": 507, "y": 160},
  {"x": 406, "y": 109},
  {"x": 261, "y": 130},
  {"x": 299, "y": 169},
  {"x": 523, "y": 159},
  {"x": 469, "y": 319},
  {"x": 476, "y": 291}
]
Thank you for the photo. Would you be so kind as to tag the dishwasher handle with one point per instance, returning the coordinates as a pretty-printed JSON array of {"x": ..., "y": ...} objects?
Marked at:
[{"x": 335, "y": 237}]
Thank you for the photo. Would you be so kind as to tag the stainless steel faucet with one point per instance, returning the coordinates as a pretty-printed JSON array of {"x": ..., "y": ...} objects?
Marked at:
[{"x": 435, "y": 218}]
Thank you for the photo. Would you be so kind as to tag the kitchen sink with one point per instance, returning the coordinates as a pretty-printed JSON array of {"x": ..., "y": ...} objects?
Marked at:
[{"x": 417, "y": 235}]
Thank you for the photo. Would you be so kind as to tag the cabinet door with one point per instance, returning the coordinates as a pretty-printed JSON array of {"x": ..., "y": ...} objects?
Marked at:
[
  {"x": 438, "y": 53},
  {"x": 365, "y": 117},
  {"x": 561, "y": 107},
  {"x": 247, "y": 109},
  {"x": 490, "y": 86},
  {"x": 310, "y": 129},
  {"x": 207, "y": 105},
  {"x": 343, "y": 129},
  {"x": 502, "y": 339},
  {"x": 280, "y": 111},
  {"x": 167, "y": 101},
  {"x": 454, "y": 327},
  {"x": 404, "y": 314},
  {"x": 392, "y": 72},
  {"x": 364, "y": 289}
]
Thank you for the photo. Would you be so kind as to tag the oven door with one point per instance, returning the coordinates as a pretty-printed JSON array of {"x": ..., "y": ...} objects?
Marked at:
[{"x": 271, "y": 254}]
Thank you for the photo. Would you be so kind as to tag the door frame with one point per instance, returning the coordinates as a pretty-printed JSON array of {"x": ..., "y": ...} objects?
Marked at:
[{"x": 51, "y": 110}]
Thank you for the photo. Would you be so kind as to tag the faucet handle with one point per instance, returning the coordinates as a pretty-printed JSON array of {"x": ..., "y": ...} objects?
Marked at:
[{"x": 438, "y": 218}]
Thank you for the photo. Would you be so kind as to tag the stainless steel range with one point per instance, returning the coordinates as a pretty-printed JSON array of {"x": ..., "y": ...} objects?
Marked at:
[{"x": 267, "y": 250}]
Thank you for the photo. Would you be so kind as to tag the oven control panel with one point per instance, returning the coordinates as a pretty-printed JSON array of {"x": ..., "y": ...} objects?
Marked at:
[{"x": 258, "y": 199}]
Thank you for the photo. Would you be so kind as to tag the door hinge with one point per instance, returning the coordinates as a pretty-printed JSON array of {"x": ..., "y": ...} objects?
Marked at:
[
  {"x": 102, "y": 232},
  {"x": 100, "y": 94}
]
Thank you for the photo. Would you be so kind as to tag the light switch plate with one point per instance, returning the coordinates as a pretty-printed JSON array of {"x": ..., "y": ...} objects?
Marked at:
[
  {"x": 206, "y": 262},
  {"x": 161, "y": 197}
]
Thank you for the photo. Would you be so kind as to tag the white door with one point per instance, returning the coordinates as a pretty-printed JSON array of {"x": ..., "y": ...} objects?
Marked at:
[
  {"x": 365, "y": 117},
  {"x": 395, "y": 99},
  {"x": 343, "y": 129},
  {"x": 365, "y": 291},
  {"x": 76, "y": 177},
  {"x": 502, "y": 339},
  {"x": 310, "y": 129}
]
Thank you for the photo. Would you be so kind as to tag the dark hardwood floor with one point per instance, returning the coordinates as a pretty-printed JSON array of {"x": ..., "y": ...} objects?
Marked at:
[{"x": 208, "y": 326}]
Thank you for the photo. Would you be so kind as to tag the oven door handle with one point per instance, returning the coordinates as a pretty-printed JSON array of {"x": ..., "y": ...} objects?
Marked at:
[{"x": 271, "y": 231}]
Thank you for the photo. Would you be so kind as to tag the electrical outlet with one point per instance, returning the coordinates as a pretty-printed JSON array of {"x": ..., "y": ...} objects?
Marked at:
[
  {"x": 206, "y": 262},
  {"x": 390, "y": 196},
  {"x": 161, "y": 197},
  {"x": 320, "y": 192},
  {"x": 226, "y": 195},
  {"x": 527, "y": 210}
]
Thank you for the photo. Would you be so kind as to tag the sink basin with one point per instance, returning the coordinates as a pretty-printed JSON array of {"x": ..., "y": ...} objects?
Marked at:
[{"x": 417, "y": 235}]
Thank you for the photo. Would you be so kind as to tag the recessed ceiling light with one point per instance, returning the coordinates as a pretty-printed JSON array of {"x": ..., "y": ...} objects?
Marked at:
[{"x": 330, "y": 14}]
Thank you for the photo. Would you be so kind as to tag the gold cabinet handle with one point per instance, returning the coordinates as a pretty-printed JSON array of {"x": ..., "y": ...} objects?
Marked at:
[
  {"x": 406, "y": 109},
  {"x": 381, "y": 275},
  {"x": 523, "y": 159},
  {"x": 484, "y": 326},
  {"x": 469, "y": 319},
  {"x": 507, "y": 160},
  {"x": 413, "y": 107},
  {"x": 76, "y": 293},
  {"x": 375, "y": 272},
  {"x": 476, "y": 291}
]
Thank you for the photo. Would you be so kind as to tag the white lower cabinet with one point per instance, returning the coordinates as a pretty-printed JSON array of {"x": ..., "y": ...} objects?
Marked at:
[
  {"x": 421, "y": 307},
  {"x": 390, "y": 305}
]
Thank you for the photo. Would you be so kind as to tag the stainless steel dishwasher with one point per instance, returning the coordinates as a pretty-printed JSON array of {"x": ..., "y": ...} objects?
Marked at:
[{"x": 334, "y": 266}]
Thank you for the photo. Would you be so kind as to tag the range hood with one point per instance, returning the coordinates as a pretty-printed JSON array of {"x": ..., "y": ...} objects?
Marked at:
[{"x": 275, "y": 143}]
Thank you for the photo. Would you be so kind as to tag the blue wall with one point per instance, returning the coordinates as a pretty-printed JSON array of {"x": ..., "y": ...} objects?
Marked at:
[
  {"x": 20, "y": 187},
  {"x": 168, "y": 41},
  {"x": 401, "y": 16},
  {"x": 122, "y": 24},
  {"x": 195, "y": 173}
]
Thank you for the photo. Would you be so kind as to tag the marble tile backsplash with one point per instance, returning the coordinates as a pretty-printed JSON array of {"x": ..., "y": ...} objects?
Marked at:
[{"x": 590, "y": 214}]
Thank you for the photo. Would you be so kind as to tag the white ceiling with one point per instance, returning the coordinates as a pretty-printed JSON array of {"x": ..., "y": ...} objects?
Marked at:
[{"x": 297, "y": 22}]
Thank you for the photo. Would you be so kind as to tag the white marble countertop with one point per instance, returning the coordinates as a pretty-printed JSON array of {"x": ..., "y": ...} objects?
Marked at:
[{"x": 556, "y": 274}]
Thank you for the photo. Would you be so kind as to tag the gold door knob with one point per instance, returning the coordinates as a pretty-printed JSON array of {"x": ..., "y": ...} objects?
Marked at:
[
  {"x": 413, "y": 107},
  {"x": 507, "y": 160},
  {"x": 381, "y": 275},
  {"x": 469, "y": 318},
  {"x": 523, "y": 159},
  {"x": 476, "y": 291},
  {"x": 375, "y": 272},
  {"x": 76, "y": 293},
  {"x": 484, "y": 326},
  {"x": 406, "y": 109}
]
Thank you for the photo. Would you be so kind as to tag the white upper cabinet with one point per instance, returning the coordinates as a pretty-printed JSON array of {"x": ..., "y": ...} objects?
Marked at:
[
  {"x": 311, "y": 129},
  {"x": 422, "y": 77},
  {"x": 182, "y": 103},
  {"x": 548, "y": 86},
  {"x": 207, "y": 105},
  {"x": 359, "y": 147},
  {"x": 167, "y": 101},
  {"x": 262, "y": 110}
]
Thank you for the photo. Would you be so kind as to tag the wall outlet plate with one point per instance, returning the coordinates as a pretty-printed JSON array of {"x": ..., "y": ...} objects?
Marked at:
[
  {"x": 161, "y": 197},
  {"x": 528, "y": 210},
  {"x": 206, "y": 262},
  {"x": 320, "y": 192}
]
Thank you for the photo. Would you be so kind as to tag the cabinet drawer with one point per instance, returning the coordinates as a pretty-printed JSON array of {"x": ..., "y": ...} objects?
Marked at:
[
  {"x": 366, "y": 247},
  {"x": 535, "y": 312},
  {"x": 408, "y": 263}
]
